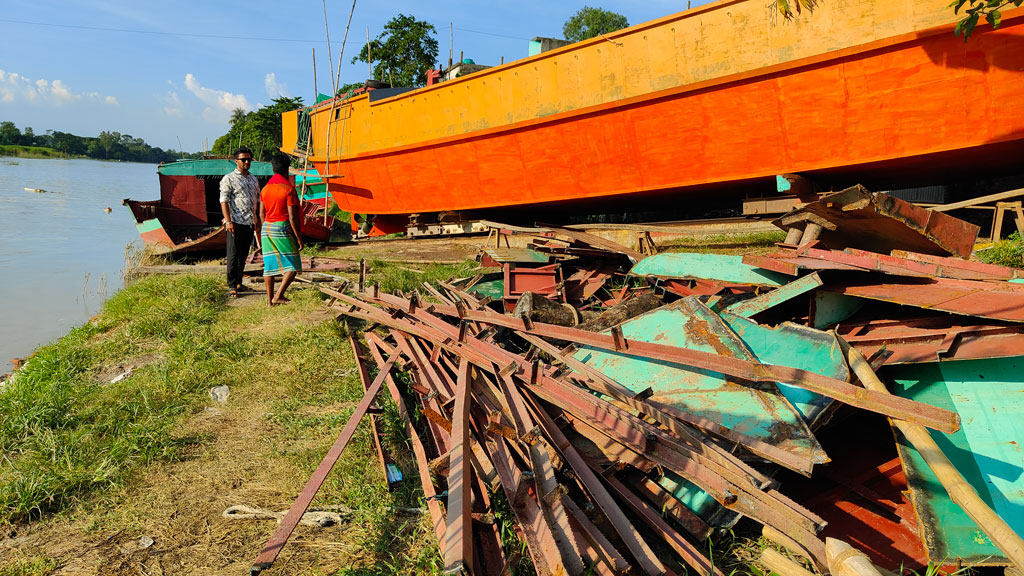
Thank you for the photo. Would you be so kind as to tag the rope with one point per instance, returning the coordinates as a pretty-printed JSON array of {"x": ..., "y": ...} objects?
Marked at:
[{"x": 319, "y": 517}]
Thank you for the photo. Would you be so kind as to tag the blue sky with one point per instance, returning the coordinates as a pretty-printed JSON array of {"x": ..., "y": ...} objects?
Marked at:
[{"x": 170, "y": 70}]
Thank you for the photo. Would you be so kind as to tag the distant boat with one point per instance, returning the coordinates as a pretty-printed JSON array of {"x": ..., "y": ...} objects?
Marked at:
[
  {"x": 187, "y": 219},
  {"x": 36, "y": 190}
]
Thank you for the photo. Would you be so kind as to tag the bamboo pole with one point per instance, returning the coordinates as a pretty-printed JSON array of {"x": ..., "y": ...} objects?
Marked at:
[
  {"x": 845, "y": 560},
  {"x": 960, "y": 491},
  {"x": 778, "y": 563}
]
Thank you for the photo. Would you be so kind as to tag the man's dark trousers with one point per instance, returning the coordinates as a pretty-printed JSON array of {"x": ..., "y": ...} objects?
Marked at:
[{"x": 238, "y": 251}]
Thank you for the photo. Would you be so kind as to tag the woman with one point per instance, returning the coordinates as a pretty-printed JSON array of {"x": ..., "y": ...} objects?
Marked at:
[{"x": 282, "y": 234}]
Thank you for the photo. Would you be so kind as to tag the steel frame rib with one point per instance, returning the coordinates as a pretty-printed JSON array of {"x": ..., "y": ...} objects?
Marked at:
[
  {"x": 284, "y": 530},
  {"x": 896, "y": 407},
  {"x": 458, "y": 535}
]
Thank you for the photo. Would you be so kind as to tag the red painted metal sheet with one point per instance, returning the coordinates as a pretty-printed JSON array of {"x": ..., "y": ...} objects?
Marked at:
[
  {"x": 963, "y": 267},
  {"x": 543, "y": 280},
  {"x": 1000, "y": 301},
  {"x": 931, "y": 339}
]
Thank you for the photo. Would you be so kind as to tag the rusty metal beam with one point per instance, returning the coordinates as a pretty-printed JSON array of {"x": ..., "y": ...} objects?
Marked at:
[
  {"x": 291, "y": 519},
  {"x": 908, "y": 410},
  {"x": 422, "y": 465},
  {"x": 383, "y": 457},
  {"x": 458, "y": 534}
]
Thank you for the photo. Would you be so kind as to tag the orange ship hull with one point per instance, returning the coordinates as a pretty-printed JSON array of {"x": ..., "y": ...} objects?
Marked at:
[{"x": 913, "y": 104}]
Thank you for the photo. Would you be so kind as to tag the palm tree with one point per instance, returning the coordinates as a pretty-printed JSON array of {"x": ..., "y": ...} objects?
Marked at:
[{"x": 237, "y": 116}]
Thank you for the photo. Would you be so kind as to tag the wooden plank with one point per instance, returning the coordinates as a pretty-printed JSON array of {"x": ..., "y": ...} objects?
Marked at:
[{"x": 979, "y": 200}]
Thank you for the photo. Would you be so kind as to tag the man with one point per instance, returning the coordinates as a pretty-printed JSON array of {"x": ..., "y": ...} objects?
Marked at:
[{"x": 239, "y": 197}]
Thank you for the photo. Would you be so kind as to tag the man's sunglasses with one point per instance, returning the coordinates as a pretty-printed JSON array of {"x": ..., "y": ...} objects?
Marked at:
[{"x": 245, "y": 159}]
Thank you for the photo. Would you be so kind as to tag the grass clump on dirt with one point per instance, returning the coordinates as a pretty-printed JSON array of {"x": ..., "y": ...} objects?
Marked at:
[
  {"x": 1009, "y": 252},
  {"x": 64, "y": 433},
  {"x": 726, "y": 243}
]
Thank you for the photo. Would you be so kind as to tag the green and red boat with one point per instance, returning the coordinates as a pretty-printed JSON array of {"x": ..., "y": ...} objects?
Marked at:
[{"x": 187, "y": 218}]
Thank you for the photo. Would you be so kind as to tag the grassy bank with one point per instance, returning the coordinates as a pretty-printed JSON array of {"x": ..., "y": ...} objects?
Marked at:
[
  {"x": 94, "y": 462},
  {"x": 30, "y": 152}
]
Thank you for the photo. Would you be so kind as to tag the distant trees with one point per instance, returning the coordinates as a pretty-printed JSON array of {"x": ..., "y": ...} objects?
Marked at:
[
  {"x": 106, "y": 146},
  {"x": 590, "y": 22},
  {"x": 260, "y": 130},
  {"x": 402, "y": 53}
]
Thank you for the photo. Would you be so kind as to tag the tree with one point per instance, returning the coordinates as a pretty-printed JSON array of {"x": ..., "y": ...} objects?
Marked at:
[
  {"x": 260, "y": 130},
  {"x": 9, "y": 134},
  {"x": 403, "y": 52},
  {"x": 992, "y": 10},
  {"x": 590, "y": 22},
  {"x": 28, "y": 137}
]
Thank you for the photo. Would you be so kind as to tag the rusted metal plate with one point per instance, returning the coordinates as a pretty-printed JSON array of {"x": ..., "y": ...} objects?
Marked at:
[
  {"x": 715, "y": 267},
  {"x": 935, "y": 338},
  {"x": 986, "y": 451},
  {"x": 798, "y": 346},
  {"x": 880, "y": 223},
  {"x": 997, "y": 300},
  {"x": 544, "y": 280},
  {"x": 760, "y": 412}
]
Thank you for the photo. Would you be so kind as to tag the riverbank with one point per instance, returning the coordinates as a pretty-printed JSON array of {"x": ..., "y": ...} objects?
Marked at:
[
  {"x": 30, "y": 152},
  {"x": 113, "y": 438}
]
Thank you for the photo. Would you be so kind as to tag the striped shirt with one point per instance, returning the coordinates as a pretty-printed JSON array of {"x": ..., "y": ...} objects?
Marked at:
[{"x": 241, "y": 192}]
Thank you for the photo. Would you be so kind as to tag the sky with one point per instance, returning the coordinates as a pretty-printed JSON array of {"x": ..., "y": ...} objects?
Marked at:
[{"x": 172, "y": 72}]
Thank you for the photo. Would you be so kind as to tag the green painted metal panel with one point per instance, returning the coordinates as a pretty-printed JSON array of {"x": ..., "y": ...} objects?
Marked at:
[
  {"x": 796, "y": 346},
  {"x": 724, "y": 268},
  {"x": 989, "y": 396},
  {"x": 760, "y": 412},
  {"x": 757, "y": 304},
  {"x": 830, "y": 308},
  {"x": 493, "y": 288},
  {"x": 148, "y": 226},
  {"x": 212, "y": 167}
]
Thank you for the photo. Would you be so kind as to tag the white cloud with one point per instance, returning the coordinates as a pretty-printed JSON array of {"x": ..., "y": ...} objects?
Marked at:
[
  {"x": 216, "y": 99},
  {"x": 112, "y": 100},
  {"x": 275, "y": 89},
  {"x": 14, "y": 87}
]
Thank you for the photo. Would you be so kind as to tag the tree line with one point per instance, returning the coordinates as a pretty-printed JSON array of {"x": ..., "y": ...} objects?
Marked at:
[{"x": 106, "y": 146}]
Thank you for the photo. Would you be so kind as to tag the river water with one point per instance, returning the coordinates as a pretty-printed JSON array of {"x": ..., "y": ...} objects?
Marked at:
[{"x": 61, "y": 254}]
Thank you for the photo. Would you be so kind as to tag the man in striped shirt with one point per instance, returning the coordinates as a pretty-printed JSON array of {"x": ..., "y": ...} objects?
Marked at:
[{"x": 239, "y": 199}]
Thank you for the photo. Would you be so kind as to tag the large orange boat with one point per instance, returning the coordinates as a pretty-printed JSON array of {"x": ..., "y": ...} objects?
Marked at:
[{"x": 709, "y": 102}]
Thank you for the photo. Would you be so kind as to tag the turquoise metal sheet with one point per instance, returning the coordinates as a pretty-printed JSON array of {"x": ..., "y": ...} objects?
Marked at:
[
  {"x": 799, "y": 347},
  {"x": 758, "y": 304},
  {"x": 720, "y": 267},
  {"x": 760, "y": 412},
  {"x": 989, "y": 396},
  {"x": 210, "y": 167}
]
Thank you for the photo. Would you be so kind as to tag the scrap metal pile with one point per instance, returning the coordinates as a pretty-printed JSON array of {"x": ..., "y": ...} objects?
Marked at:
[{"x": 628, "y": 406}]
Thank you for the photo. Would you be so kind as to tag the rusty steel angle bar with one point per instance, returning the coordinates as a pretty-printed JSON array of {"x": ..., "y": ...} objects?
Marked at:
[
  {"x": 670, "y": 506},
  {"x": 458, "y": 535},
  {"x": 597, "y": 539},
  {"x": 364, "y": 377},
  {"x": 429, "y": 402},
  {"x": 539, "y": 541},
  {"x": 649, "y": 562},
  {"x": 291, "y": 519},
  {"x": 687, "y": 551},
  {"x": 666, "y": 416},
  {"x": 422, "y": 465},
  {"x": 896, "y": 407}
]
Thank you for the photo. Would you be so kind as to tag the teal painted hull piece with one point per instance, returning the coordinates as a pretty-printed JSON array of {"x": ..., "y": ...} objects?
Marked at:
[
  {"x": 799, "y": 347},
  {"x": 829, "y": 308},
  {"x": 723, "y": 268},
  {"x": 761, "y": 412},
  {"x": 698, "y": 501},
  {"x": 988, "y": 450}
]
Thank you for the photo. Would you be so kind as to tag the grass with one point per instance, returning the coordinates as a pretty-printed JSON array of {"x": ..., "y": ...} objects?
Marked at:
[
  {"x": 1009, "y": 252},
  {"x": 31, "y": 566},
  {"x": 30, "y": 152},
  {"x": 84, "y": 458},
  {"x": 725, "y": 243}
]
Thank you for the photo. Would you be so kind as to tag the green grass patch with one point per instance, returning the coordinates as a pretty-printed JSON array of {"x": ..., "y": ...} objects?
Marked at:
[
  {"x": 30, "y": 152},
  {"x": 32, "y": 566},
  {"x": 65, "y": 433},
  {"x": 717, "y": 242},
  {"x": 1009, "y": 252}
]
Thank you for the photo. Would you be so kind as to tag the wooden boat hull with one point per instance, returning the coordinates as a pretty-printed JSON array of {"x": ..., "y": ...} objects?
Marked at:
[{"x": 913, "y": 106}]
